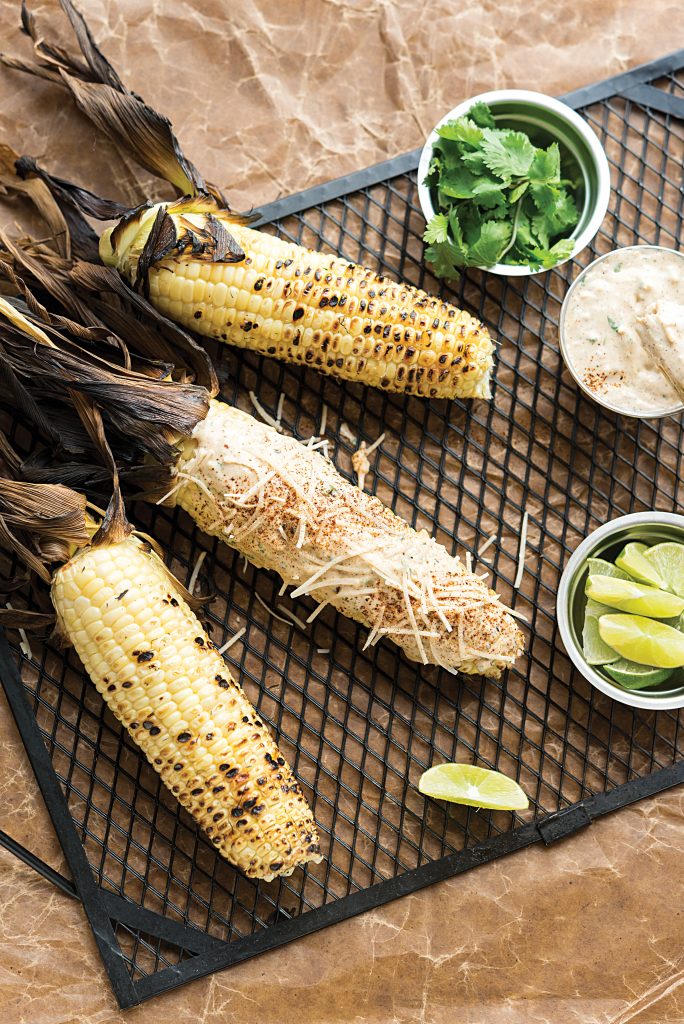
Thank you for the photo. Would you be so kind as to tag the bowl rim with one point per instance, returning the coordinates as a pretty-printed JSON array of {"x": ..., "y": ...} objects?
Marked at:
[
  {"x": 545, "y": 102},
  {"x": 634, "y": 698},
  {"x": 675, "y": 409}
]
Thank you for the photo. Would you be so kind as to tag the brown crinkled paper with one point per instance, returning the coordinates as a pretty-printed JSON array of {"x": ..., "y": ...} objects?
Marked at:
[{"x": 270, "y": 98}]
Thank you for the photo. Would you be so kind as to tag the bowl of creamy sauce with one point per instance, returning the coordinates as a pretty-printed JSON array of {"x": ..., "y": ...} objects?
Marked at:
[{"x": 622, "y": 331}]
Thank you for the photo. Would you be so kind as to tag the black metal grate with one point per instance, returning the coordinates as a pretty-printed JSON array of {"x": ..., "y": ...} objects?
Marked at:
[{"x": 360, "y": 727}]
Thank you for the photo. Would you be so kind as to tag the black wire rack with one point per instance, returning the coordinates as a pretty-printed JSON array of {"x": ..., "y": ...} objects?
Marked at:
[{"x": 360, "y": 727}]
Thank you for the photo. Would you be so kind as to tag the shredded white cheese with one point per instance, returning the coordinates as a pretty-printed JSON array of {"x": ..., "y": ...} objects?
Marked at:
[
  {"x": 319, "y": 608},
  {"x": 195, "y": 572},
  {"x": 485, "y": 547},
  {"x": 346, "y": 431},
  {"x": 522, "y": 550},
  {"x": 375, "y": 444},
  {"x": 233, "y": 640},
  {"x": 324, "y": 421},
  {"x": 291, "y": 615},
  {"x": 279, "y": 409},
  {"x": 469, "y": 561},
  {"x": 271, "y": 612},
  {"x": 266, "y": 416},
  {"x": 24, "y": 645},
  {"x": 322, "y": 650}
]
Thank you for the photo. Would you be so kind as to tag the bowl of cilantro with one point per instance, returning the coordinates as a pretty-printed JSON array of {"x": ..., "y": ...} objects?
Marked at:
[{"x": 511, "y": 181}]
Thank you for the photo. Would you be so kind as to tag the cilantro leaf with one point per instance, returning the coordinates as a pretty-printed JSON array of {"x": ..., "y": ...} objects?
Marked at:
[
  {"x": 462, "y": 129},
  {"x": 437, "y": 230},
  {"x": 556, "y": 254},
  {"x": 487, "y": 250},
  {"x": 481, "y": 115},
  {"x": 445, "y": 258},
  {"x": 545, "y": 167},
  {"x": 506, "y": 153},
  {"x": 458, "y": 183},
  {"x": 518, "y": 192}
]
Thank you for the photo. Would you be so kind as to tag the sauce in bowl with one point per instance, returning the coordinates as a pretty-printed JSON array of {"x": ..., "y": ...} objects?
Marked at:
[{"x": 623, "y": 315}]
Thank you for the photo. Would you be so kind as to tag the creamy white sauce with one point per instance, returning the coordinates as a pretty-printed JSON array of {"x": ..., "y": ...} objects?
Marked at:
[{"x": 631, "y": 290}]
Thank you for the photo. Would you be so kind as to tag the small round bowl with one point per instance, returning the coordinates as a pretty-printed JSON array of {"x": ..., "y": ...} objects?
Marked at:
[
  {"x": 675, "y": 409},
  {"x": 545, "y": 120},
  {"x": 606, "y": 542}
]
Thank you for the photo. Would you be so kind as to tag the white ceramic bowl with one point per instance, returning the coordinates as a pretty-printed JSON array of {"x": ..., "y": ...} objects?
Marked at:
[
  {"x": 649, "y": 527},
  {"x": 673, "y": 410},
  {"x": 535, "y": 112}
]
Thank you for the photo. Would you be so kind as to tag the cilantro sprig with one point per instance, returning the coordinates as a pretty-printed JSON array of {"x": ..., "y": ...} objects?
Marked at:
[{"x": 499, "y": 198}]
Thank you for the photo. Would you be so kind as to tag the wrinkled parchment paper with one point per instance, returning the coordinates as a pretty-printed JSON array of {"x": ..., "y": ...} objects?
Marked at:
[{"x": 586, "y": 932}]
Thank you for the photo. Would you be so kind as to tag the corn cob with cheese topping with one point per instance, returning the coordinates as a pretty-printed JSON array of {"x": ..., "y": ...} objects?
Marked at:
[{"x": 284, "y": 506}]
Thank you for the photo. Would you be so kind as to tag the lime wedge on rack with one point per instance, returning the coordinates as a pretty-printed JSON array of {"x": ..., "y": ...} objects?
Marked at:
[
  {"x": 668, "y": 561},
  {"x": 633, "y": 676},
  {"x": 628, "y": 596},
  {"x": 631, "y": 560},
  {"x": 599, "y": 567},
  {"x": 473, "y": 786},
  {"x": 644, "y": 640}
]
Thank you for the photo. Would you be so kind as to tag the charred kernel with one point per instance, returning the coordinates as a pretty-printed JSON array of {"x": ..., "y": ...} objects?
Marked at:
[
  {"x": 178, "y": 767},
  {"x": 323, "y": 302},
  {"x": 158, "y": 760},
  {"x": 197, "y": 792},
  {"x": 245, "y": 718},
  {"x": 249, "y": 804},
  {"x": 279, "y": 264},
  {"x": 111, "y": 688},
  {"x": 281, "y": 760},
  {"x": 242, "y": 821},
  {"x": 367, "y": 329},
  {"x": 386, "y": 332},
  {"x": 261, "y": 781},
  {"x": 146, "y": 656},
  {"x": 134, "y": 725},
  {"x": 183, "y": 737},
  {"x": 287, "y": 263},
  {"x": 247, "y": 325},
  {"x": 198, "y": 314},
  {"x": 147, "y": 725},
  {"x": 298, "y": 313},
  {"x": 259, "y": 284},
  {"x": 236, "y": 812},
  {"x": 210, "y": 735},
  {"x": 127, "y": 686},
  {"x": 217, "y": 816},
  {"x": 232, "y": 773},
  {"x": 276, "y": 866},
  {"x": 224, "y": 767},
  {"x": 199, "y": 640},
  {"x": 121, "y": 595},
  {"x": 174, "y": 602},
  {"x": 218, "y": 789}
]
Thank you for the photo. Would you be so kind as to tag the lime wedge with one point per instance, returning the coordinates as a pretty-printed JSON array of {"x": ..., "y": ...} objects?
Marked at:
[
  {"x": 473, "y": 786},
  {"x": 628, "y": 596},
  {"x": 595, "y": 651},
  {"x": 633, "y": 676},
  {"x": 599, "y": 567},
  {"x": 631, "y": 560},
  {"x": 644, "y": 640},
  {"x": 668, "y": 561}
]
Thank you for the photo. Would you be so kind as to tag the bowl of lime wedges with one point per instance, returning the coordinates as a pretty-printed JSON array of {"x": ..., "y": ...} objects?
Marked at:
[{"x": 620, "y": 609}]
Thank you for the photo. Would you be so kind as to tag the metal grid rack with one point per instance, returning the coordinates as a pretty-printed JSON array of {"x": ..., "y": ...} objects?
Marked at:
[{"x": 360, "y": 727}]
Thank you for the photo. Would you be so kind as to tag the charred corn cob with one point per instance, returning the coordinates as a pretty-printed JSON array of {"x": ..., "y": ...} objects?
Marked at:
[
  {"x": 284, "y": 506},
  {"x": 294, "y": 304},
  {"x": 162, "y": 677}
]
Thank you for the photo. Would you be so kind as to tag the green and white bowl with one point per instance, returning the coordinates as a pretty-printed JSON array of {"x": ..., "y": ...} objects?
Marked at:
[
  {"x": 546, "y": 120},
  {"x": 606, "y": 542}
]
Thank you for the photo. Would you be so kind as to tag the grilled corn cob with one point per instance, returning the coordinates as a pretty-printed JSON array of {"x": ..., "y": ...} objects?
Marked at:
[
  {"x": 162, "y": 677},
  {"x": 285, "y": 507},
  {"x": 294, "y": 304}
]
